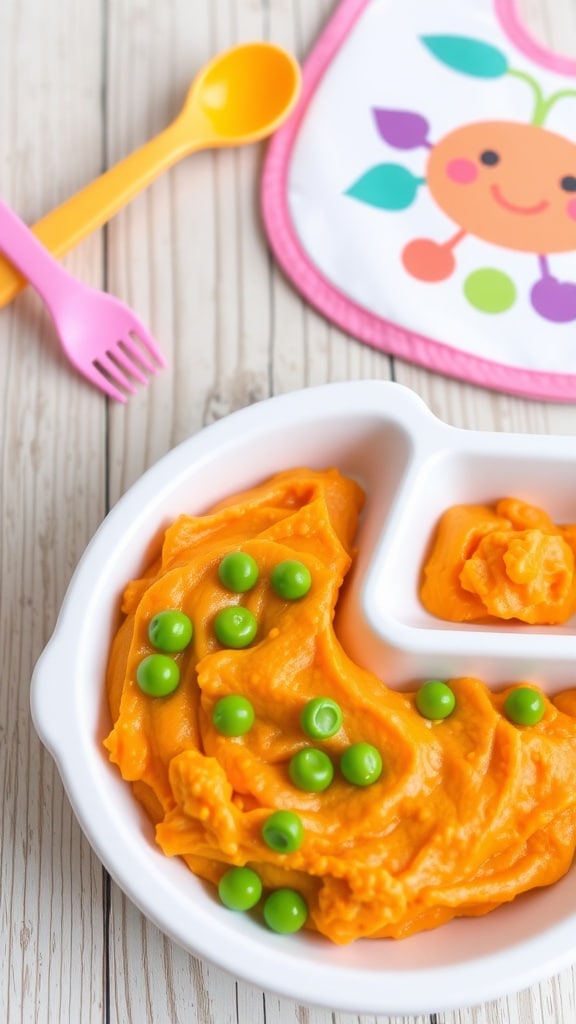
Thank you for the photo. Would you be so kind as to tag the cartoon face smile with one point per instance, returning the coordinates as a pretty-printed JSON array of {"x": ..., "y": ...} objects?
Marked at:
[
  {"x": 513, "y": 207},
  {"x": 508, "y": 183}
]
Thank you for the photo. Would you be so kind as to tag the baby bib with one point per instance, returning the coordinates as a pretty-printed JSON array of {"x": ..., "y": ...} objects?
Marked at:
[{"x": 423, "y": 194}]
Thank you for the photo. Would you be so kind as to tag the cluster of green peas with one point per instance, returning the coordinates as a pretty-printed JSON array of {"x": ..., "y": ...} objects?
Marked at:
[
  {"x": 524, "y": 705},
  {"x": 310, "y": 770},
  {"x": 285, "y": 910},
  {"x": 171, "y": 631}
]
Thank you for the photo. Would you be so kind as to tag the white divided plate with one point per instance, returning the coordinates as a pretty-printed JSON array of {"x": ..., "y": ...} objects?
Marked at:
[{"x": 412, "y": 467}]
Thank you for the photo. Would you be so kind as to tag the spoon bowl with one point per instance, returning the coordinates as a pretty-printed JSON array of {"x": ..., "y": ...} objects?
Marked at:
[{"x": 241, "y": 96}]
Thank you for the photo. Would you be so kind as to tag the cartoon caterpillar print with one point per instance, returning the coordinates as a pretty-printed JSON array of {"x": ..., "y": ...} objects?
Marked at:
[{"x": 477, "y": 176}]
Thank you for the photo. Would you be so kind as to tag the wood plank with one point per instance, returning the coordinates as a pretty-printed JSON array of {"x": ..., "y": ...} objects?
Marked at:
[{"x": 51, "y": 500}]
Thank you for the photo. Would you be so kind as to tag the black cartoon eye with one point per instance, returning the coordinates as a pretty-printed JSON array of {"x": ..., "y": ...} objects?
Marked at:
[
  {"x": 568, "y": 183},
  {"x": 489, "y": 157}
]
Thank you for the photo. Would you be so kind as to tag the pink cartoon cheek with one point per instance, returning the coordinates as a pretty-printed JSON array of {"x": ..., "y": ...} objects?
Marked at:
[
  {"x": 571, "y": 209},
  {"x": 461, "y": 171}
]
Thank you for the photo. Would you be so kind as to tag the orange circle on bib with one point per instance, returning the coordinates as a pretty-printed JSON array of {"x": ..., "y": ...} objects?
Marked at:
[{"x": 521, "y": 195}]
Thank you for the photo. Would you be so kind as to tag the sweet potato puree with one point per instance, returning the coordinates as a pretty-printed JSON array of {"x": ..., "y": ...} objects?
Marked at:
[
  {"x": 467, "y": 813},
  {"x": 503, "y": 561}
]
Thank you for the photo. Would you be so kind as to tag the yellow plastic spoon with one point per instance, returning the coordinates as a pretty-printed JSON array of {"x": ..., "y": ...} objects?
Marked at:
[{"x": 241, "y": 96}]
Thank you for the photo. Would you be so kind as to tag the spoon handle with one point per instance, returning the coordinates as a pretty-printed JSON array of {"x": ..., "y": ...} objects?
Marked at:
[{"x": 95, "y": 204}]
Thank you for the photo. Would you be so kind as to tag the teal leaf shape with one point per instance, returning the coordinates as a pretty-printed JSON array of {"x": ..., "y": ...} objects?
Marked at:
[
  {"x": 470, "y": 56},
  {"x": 386, "y": 186}
]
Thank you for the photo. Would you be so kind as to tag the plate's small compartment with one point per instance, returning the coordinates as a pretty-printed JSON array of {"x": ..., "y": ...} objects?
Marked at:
[{"x": 395, "y": 636}]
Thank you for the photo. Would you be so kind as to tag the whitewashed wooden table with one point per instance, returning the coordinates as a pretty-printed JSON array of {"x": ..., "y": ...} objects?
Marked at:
[{"x": 82, "y": 83}]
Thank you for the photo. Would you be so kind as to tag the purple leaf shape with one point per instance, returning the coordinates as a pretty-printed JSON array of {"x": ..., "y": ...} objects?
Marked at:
[{"x": 402, "y": 129}]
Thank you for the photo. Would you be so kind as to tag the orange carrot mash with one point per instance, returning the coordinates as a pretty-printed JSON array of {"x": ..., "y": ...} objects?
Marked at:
[
  {"x": 508, "y": 561},
  {"x": 467, "y": 813}
]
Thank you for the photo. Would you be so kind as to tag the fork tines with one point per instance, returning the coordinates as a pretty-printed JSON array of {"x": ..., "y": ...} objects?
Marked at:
[{"x": 121, "y": 365}]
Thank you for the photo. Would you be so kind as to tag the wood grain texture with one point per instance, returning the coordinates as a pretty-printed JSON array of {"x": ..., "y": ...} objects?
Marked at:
[
  {"x": 81, "y": 85},
  {"x": 52, "y": 469}
]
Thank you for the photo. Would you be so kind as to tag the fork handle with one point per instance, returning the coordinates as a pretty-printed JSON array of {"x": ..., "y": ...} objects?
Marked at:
[{"x": 24, "y": 250}]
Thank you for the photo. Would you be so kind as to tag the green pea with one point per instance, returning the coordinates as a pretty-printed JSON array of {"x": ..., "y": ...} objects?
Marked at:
[
  {"x": 291, "y": 580},
  {"x": 158, "y": 675},
  {"x": 435, "y": 700},
  {"x": 170, "y": 631},
  {"x": 321, "y": 718},
  {"x": 361, "y": 764},
  {"x": 311, "y": 770},
  {"x": 285, "y": 911},
  {"x": 240, "y": 889},
  {"x": 524, "y": 706},
  {"x": 235, "y": 627},
  {"x": 283, "y": 832},
  {"x": 233, "y": 715},
  {"x": 238, "y": 572}
]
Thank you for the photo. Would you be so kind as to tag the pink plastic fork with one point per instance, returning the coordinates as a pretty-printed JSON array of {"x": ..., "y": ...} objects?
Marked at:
[{"x": 101, "y": 336}]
